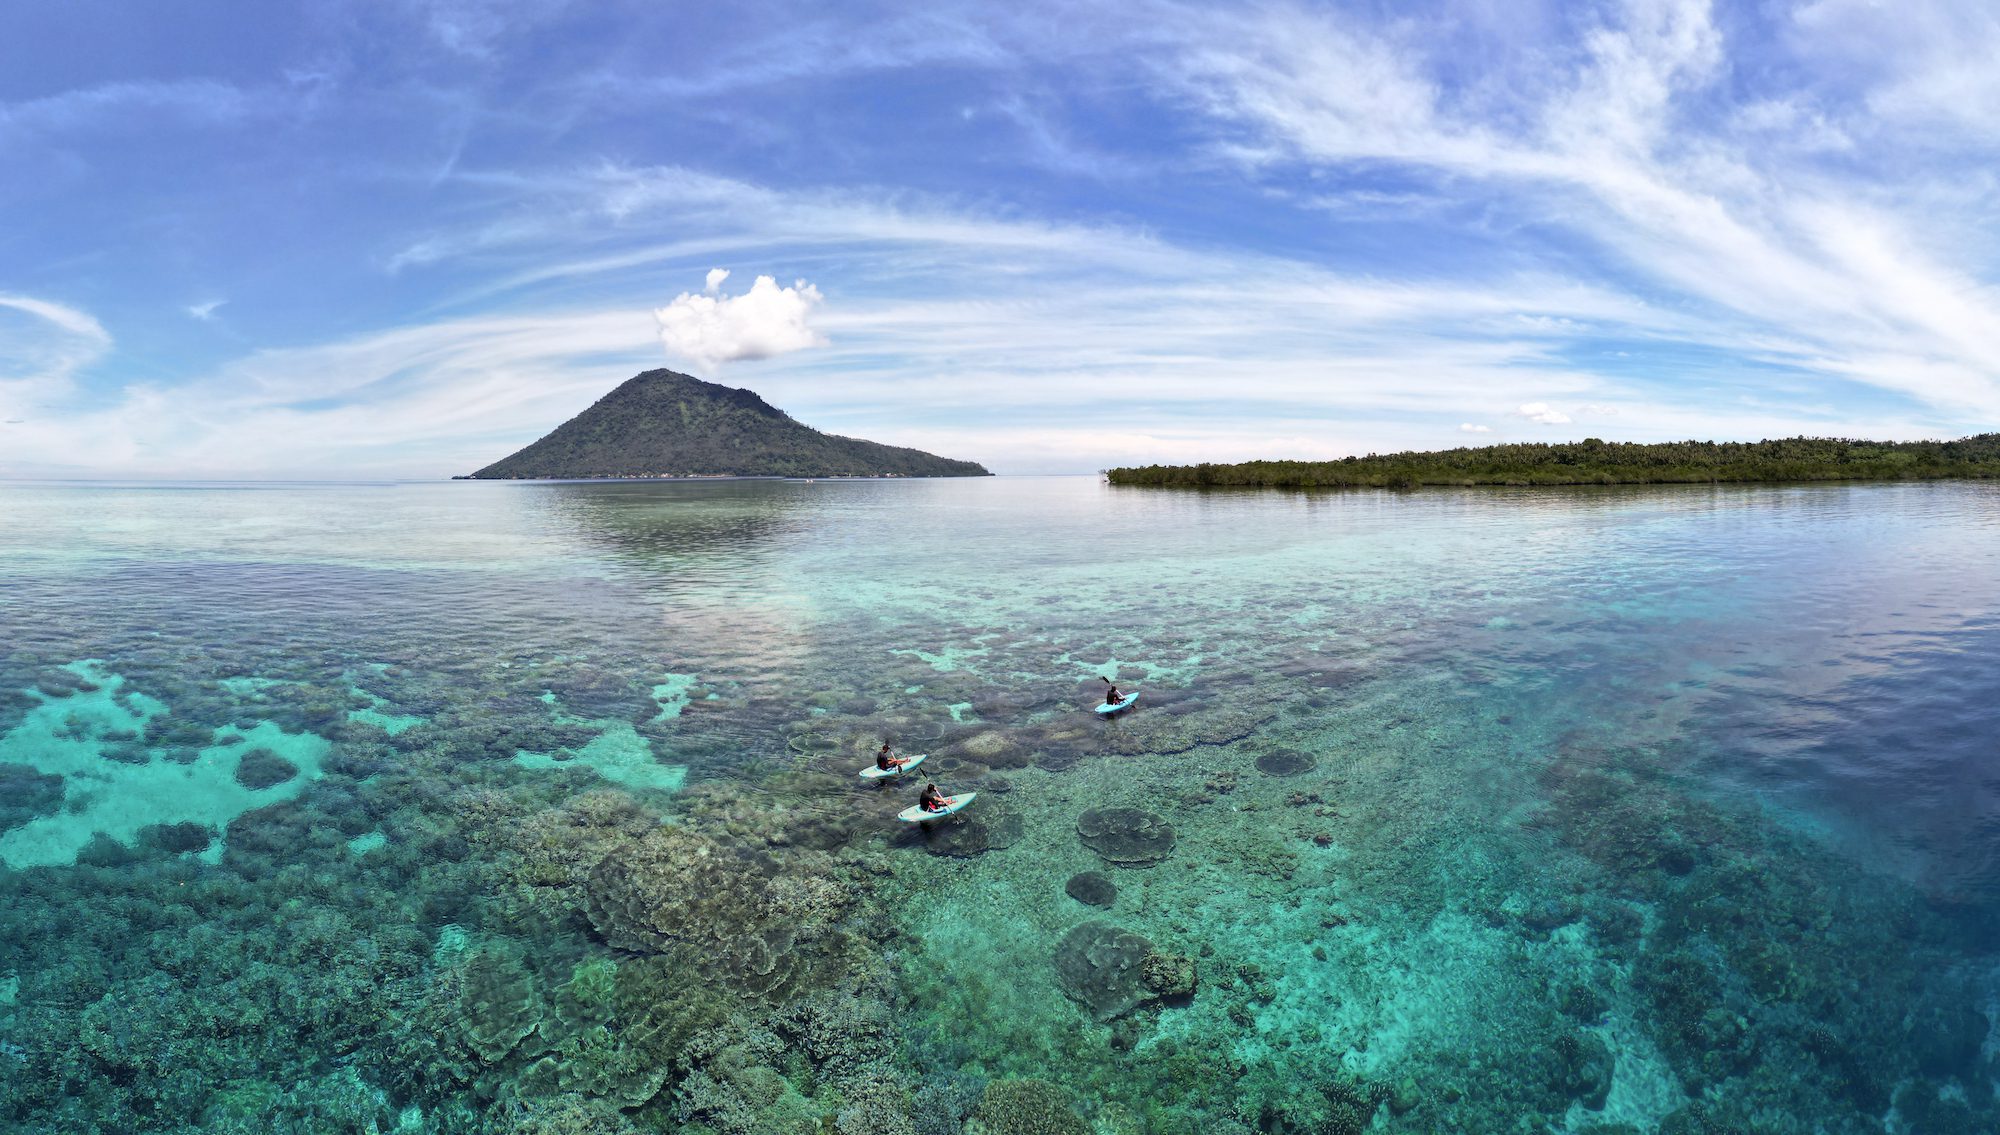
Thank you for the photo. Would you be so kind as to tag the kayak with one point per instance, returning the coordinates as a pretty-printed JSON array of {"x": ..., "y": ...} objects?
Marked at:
[
  {"x": 915, "y": 814},
  {"x": 1119, "y": 706},
  {"x": 873, "y": 773}
]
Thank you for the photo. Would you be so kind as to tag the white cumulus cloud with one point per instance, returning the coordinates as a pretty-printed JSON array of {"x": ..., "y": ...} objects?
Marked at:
[
  {"x": 204, "y": 311},
  {"x": 1470, "y": 428},
  {"x": 713, "y": 328},
  {"x": 1544, "y": 413}
]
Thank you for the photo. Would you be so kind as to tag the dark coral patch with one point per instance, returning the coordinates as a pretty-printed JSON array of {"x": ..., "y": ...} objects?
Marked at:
[
  {"x": 26, "y": 793},
  {"x": 1101, "y": 967},
  {"x": 1091, "y": 888},
  {"x": 262, "y": 768},
  {"x": 1130, "y": 837},
  {"x": 1286, "y": 762},
  {"x": 963, "y": 836},
  {"x": 177, "y": 838}
]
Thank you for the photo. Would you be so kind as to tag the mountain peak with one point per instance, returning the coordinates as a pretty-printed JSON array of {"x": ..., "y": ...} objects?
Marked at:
[
  {"x": 672, "y": 383},
  {"x": 662, "y": 423}
]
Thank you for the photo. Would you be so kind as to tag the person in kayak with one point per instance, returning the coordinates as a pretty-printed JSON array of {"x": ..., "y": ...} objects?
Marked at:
[
  {"x": 886, "y": 762},
  {"x": 1111, "y": 694},
  {"x": 932, "y": 800}
]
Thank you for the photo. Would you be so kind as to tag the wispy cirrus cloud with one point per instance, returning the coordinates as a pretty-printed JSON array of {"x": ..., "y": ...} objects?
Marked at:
[
  {"x": 43, "y": 345},
  {"x": 1625, "y": 146},
  {"x": 1284, "y": 229}
]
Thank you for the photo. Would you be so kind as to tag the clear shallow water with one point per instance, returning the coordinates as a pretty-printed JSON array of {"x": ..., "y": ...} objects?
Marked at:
[{"x": 1616, "y": 810}]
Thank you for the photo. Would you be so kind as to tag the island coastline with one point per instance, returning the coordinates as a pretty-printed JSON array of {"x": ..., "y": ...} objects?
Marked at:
[{"x": 1595, "y": 462}]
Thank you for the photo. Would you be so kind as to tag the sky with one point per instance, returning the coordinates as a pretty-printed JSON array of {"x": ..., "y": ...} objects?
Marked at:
[{"x": 331, "y": 239}]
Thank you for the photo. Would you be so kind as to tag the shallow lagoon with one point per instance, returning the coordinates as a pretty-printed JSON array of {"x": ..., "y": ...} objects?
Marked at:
[{"x": 1596, "y": 810}]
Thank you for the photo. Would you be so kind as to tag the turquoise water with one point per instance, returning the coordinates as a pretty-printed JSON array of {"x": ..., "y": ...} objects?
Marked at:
[{"x": 533, "y": 808}]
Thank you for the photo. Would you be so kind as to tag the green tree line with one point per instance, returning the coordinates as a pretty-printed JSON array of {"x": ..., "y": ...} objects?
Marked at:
[{"x": 1594, "y": 462}]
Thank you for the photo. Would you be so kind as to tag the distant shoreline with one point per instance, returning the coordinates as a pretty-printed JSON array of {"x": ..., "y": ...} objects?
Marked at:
[{"x": 1594, "y": 462}]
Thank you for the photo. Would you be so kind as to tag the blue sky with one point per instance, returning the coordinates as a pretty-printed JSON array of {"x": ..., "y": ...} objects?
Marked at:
[{"x": 336, "y": 239}]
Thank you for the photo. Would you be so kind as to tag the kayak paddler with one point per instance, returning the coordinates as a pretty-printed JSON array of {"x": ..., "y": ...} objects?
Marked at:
[
  {"x": 1111, "y": 694},
  {"x": 932, "y": 800},
  {"x": 886, "y": 762}
]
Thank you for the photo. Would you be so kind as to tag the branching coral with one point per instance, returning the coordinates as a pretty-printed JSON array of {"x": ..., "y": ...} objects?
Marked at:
[
  {"x": 568, "y": 1113},
  {"x": 1025, "y": 1107}
]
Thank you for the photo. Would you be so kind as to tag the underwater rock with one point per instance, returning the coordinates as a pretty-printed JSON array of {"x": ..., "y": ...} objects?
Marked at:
[
  {"x": 1025, "y": 1107},
  {"x": 497, "y": 1003},
  {"x": 1130, "y": 837},
  {"x": 1091, "y": 888},
  {"x": 1101, "y": 967},
  {"x": 1170, "y": 976},
  {"x": 1286, "y": 762},
  {"x": 262, "y": 768}
]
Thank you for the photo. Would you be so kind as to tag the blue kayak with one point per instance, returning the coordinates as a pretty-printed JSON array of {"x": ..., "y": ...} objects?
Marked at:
[{"x": 1120, "y": 706}]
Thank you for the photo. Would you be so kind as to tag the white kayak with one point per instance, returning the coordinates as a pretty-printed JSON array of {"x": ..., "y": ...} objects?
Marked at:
[
  {"x": 915, "y": 814},
  {"x": 1109, "y": 708},
  {"x": 873, "y": 773}
]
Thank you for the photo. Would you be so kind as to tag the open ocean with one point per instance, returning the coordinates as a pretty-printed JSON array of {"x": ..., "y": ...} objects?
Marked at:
[{"x": 532, "y": 808}]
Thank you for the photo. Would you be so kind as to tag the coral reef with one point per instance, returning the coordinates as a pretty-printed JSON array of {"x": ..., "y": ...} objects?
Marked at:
[
  {"x": 732, "y": 911},
  {"x": 1170, "y": 976},
  {"x": 1103, "y": 968},
  {"x": 969, "y": 833},
  {"x": 1532, "y": 896},
  {"x": 262, "y": 768},
  {"x": 1129, "y": 837},
  {"x": 498, "y": 1005}
]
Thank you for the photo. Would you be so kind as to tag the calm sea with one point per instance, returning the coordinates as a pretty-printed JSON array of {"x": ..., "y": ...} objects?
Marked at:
[{"x": 534, "y": 808}]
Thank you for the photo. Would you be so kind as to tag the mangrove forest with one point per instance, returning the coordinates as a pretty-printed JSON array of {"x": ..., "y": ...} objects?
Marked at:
[{"x": 1595, "y": 462}]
